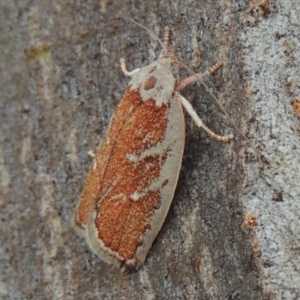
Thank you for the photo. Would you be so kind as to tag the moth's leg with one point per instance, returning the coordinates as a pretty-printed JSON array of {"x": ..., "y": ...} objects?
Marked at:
[
  {"x": 124, "y": 68},
  {"x": 166, "y": 42},
  {"x": 182, "y": 84},
  {"x": 198, "y": 121}
]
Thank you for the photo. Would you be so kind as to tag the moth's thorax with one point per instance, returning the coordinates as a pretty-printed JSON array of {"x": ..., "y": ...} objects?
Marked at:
[{"x": 155, "y": 81}]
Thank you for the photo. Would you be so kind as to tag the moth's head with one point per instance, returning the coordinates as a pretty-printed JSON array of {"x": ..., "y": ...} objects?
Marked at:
[{"x": 170, "y": 62}]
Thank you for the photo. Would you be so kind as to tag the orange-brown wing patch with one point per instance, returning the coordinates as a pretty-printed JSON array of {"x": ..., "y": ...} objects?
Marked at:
[
  {"x": 120, "y": 170},
  {"x": 121, "y": 220}
]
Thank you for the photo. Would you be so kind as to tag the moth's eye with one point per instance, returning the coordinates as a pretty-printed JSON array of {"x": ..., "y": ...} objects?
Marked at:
[{"x": 174, "y": 70}]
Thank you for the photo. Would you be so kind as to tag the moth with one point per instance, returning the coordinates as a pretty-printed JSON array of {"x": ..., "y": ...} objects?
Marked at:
[{"x": 131, "y": 183}]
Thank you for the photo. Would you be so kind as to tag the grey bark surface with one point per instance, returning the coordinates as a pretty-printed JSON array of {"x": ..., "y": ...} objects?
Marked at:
[{"x": 232, "y": 230}]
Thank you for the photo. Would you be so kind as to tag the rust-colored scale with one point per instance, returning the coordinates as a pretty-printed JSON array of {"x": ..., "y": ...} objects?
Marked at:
[
  {"x": 296, "y": 106},
  {"x": 119, "y": 181},
  {"x": 150, "y": 83}
]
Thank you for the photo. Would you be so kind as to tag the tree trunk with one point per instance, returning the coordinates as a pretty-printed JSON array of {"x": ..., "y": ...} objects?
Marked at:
[{"x": 232, "y": 230}]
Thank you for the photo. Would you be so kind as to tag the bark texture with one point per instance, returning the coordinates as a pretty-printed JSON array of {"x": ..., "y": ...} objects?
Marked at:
[{"x": 232, "y": 230}]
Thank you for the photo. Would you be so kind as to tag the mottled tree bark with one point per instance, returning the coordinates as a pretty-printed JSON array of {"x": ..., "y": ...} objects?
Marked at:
[{"x": 232, "y": 230}]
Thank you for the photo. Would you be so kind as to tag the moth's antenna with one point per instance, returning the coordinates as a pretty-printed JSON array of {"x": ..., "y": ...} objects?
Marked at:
[{"x": 153, "y": 35}]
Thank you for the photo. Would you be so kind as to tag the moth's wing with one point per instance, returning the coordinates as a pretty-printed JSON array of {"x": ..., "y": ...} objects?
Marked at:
[{"x": 138, "y": 182}]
